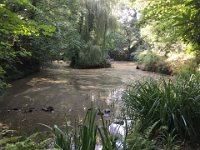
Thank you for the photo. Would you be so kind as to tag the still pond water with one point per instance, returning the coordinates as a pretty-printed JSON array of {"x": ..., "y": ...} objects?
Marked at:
[{"x": 69, "y": 91}]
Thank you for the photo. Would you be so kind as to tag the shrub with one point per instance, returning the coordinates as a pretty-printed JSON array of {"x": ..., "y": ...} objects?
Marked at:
[
  {"x": 163, "y": 67},
  {"x": 119, "y": 55},
  {"x": 189, "y": 67},
  {"x": 86, "y": 134},
  {"x": 91, "y": 56},
  {"x": 3, "y": 84},
  {"x": 173, "y": 103},
  {"x": 150, "y": 60},
  {"x": 153, "y": 62}
]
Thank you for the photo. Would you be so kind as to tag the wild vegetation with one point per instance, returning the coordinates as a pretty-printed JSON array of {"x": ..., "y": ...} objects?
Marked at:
[
  {"x": 151, "y": 61},
  {"x": 170, "y": 29},
  {"x": 161, "y": 36},
  {"x": 34, "y": 32},
  {"x": 173, "y": 104},
  {"x": 20, "y": 53}
]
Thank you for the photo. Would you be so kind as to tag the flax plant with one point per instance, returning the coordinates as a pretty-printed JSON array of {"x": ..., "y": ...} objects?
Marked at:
[{"x": 173, "y": 103}]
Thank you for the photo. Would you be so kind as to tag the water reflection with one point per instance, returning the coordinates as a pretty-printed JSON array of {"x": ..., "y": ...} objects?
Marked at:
[{"x": 68, "y": 91}]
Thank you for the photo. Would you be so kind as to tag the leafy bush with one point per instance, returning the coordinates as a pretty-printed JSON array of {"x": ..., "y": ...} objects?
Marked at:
[
  {"x": 91, "y": 56},
  {"x": 163, "y": 67},
  {"x": 149, "y": 60},
  {"x": 3, "y": 85},
  {"x": 152, "y": 62},
  {"x": 119, "y": 55},
  {"x": 188, "y": 68},
  {"x": 174, "y": 104}
]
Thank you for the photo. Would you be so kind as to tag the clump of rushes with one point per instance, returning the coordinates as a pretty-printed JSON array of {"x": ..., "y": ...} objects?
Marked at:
[
  {"x": 174, "y": 104},
  {"x": 85, "y": 135}
]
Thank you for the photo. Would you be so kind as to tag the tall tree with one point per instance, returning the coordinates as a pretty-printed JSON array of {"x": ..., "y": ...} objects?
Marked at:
[
  {"x": 16, "y": 27},
  {"x": 178, "y": 19}
]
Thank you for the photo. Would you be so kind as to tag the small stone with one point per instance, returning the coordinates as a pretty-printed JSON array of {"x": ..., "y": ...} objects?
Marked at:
[
  {"x": 15, "y": 109},
  {"x": 48, "y": 109},
  {"x": 31, "y": 109}
]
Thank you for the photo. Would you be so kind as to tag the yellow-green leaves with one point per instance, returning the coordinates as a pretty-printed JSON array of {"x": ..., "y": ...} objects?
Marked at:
[
  {"x": 19, "y": 32},
  {"x": 2, "y": 5},
  {"x": 179, "y": 18},
  {"x": 47, "y": 30}
]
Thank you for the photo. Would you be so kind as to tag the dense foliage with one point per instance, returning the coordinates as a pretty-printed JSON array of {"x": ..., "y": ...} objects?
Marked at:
[
  {"x": 81, "y": 26},
  {"x": 151, "y": 61},
  {"x": 34, "y": 32},
  {"x": 170, "y": 28},
  {"x": 11, "y": 140},
  {"x": 173, "y": 104},
  {"x": 86, "y": 32},
  {"x": 18, "y": 33},
  {"x": 175, "y": 19}
]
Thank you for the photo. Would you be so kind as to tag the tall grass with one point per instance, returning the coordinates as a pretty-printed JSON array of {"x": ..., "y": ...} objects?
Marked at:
[
  {"x": 84, "y": 136},
  {"x": 173, "y": 103}
]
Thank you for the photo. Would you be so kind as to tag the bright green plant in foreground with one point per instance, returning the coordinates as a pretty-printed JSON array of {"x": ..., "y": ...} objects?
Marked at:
[
  {"x": 173, "y": 103},
  {"x": 84, "y": 136},
  {"x": 92, "y": 132}
]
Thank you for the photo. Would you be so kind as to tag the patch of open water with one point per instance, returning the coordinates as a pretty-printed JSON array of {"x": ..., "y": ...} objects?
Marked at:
[{"x": 69, "y": 91}]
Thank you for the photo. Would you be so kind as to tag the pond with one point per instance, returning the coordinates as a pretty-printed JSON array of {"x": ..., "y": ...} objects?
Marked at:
[{"x": 59, "y": 92}]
